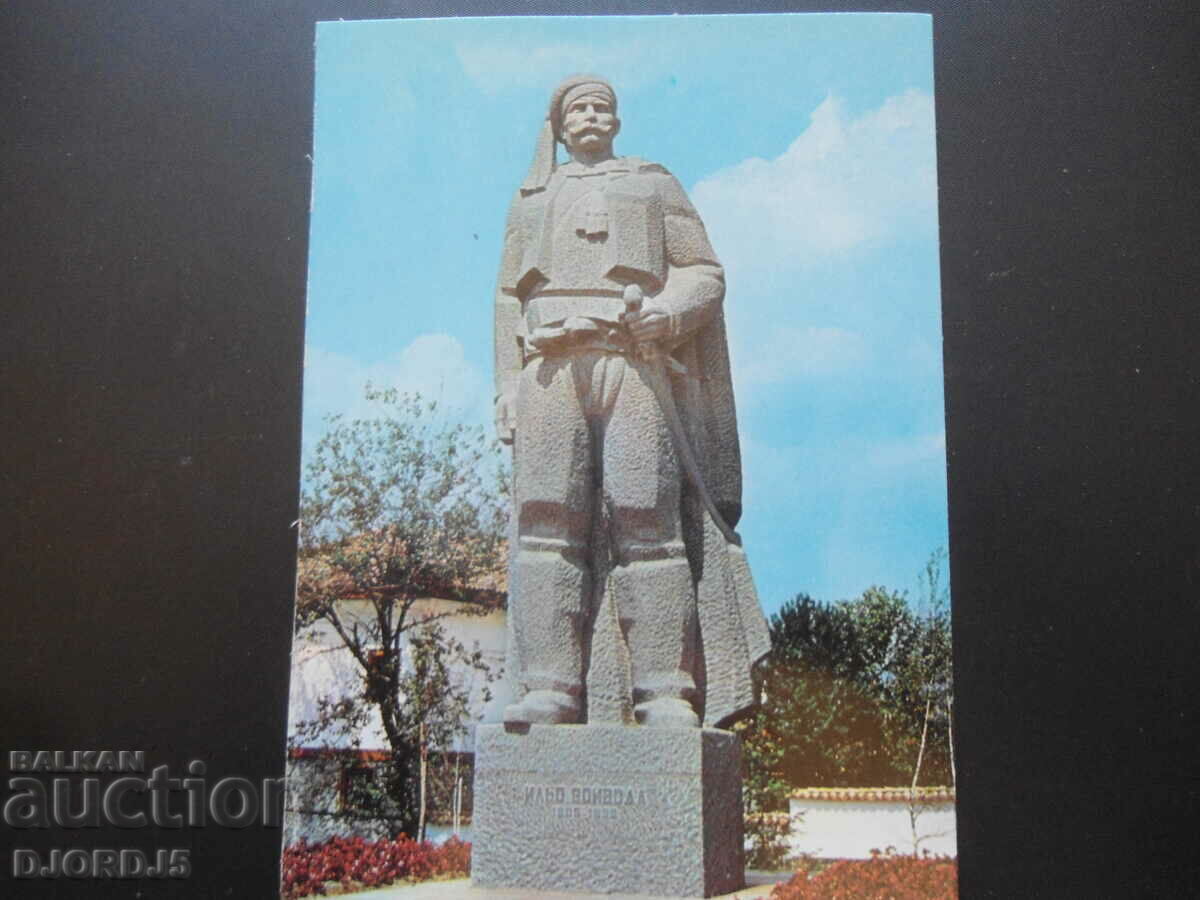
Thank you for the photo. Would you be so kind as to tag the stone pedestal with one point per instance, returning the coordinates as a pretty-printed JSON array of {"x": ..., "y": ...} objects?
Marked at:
[{"x": 609, "y": 809}]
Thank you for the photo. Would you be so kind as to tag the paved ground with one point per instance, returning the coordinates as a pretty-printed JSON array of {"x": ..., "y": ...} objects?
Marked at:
[{"x": 759, "y": 884}]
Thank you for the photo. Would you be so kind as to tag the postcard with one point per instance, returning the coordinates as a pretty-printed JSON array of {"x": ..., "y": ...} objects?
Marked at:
[{"x": 623, "y": 422}]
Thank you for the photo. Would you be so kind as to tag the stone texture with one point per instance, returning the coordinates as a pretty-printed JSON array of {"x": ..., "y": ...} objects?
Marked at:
[
  {"x": 608, "y": 809},
  {"x": 758, "y": 885},
  {"x": 629, "y": 586},
  {"x": 631, "y": 605}
]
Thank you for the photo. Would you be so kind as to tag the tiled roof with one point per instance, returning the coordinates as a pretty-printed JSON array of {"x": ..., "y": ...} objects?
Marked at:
[
  {"x": 339, "y": 753},
  {"x": 877, "y": 795},
  {"x": 343, "y": 753},
  {"x": 488, "y": 588}
]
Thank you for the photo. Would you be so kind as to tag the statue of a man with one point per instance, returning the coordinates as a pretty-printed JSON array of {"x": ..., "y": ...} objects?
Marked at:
[{"x": 630, "y": 597}]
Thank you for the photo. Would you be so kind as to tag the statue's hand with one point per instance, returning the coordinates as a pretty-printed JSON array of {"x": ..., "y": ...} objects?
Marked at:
[
  {"x": 506, "y": 418},
  {"x": 648, "y": 325}
]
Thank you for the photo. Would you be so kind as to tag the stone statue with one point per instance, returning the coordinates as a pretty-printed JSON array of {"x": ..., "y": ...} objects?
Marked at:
[{"x": 630, "y": 596}]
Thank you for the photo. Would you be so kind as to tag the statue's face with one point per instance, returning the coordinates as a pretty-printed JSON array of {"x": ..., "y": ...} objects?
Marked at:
[{"x": 589, "y": 124}]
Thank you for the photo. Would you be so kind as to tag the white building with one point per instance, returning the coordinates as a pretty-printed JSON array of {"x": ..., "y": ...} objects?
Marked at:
[{"x": 326, "y": 777}]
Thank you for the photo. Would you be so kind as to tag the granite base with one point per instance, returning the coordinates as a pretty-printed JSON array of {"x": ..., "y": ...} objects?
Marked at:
[{"x": 608, "y": 809}]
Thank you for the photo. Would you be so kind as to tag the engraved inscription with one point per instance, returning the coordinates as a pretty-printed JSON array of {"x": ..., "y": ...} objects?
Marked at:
[{"x": 599, "y": 802}]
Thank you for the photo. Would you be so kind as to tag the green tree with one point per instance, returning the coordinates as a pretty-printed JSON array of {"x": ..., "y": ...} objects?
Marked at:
[
  {"x": 886, "y": 636},
  {"x": 764, "y": 790},
  {"x": 822, "y": 687},
  {"x": 397, "y": 508},
  {"x": 857, "y": 692},
  {"x": 818, "y": 722}
]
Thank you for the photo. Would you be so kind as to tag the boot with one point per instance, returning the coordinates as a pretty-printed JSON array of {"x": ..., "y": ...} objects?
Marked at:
[
  {"x": 657, "y": 606},
  {"x": 547, "y": 610},
  {"x": 543, "y": 708}
]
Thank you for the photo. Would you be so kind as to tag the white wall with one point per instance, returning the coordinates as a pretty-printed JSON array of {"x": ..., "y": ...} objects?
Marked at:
[
  {"x": 849, "y": 829},
  {"x": 322, "y": 666}
]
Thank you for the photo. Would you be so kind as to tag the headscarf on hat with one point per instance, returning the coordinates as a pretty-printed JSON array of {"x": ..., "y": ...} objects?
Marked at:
[{"x": 545, "y": 159}]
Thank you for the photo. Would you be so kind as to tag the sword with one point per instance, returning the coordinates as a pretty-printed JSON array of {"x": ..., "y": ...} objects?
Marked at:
[{"x": 650, "y": 352}]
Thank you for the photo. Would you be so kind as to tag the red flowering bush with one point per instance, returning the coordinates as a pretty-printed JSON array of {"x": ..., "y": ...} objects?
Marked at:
[
  {"x": 454, "y": 858},
  {"x": 879, "y": 878},
  {"x": 306, "y": 868}
]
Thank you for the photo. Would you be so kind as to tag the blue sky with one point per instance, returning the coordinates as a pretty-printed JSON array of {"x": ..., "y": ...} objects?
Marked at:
[{"x": 806, "y": 143}]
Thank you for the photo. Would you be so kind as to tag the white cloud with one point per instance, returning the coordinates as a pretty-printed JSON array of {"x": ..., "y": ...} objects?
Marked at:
[
  {"x": 842, "y": 184},
  {"x": 790, "y": 352},
  {"x": 433, "y": 365},
  {"x": 495, "y": 67}
]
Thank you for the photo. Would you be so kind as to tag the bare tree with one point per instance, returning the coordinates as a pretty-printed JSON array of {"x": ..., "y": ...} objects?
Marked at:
[{"x": 931, "y": 674}]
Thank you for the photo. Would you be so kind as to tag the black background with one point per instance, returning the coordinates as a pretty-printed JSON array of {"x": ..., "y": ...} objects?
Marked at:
[{"x": 154, "y": 222}]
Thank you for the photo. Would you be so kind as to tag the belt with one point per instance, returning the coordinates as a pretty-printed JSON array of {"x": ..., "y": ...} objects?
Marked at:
[{"x": 577, "y": 335}]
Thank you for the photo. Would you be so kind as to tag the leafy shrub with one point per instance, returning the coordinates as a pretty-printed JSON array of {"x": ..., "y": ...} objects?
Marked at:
[
  {"x": 306, "y": 868},
  {"x": 883, "y": 877},
  {"x": 769, "y": 837}
]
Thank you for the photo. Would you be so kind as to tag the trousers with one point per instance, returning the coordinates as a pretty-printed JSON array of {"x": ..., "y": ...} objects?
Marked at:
[{"x": 598, "y": 495}]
